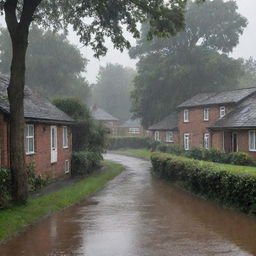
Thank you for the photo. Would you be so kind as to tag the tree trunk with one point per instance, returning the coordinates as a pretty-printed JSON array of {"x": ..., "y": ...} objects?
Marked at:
[{"x": 16, "y": 96}]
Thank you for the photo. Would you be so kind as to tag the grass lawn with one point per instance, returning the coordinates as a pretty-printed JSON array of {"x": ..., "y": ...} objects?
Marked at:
[
  {"x": 16, "y": 218},
  {"x": 143, "y": 153}
]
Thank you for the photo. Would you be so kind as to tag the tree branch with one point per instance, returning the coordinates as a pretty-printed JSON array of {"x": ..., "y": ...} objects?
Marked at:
[{"x": 10, "y": 7}]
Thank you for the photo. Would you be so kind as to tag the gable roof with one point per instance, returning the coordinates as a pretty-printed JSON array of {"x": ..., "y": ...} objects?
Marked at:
[
  {"x": 243, "y": 116},
  {"x": 36, "y": 107},
  {"x": 131, "y": 123},
  {"x": 168, "y": 123},
  {"x": 101, "y": 115},
  {"x": 217, "y": 98}
]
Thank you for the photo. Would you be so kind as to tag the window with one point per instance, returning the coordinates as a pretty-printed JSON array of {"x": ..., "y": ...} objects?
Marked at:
[
  {"x": 222, "y": 111},
  {"x": 134, "y": 130},
  {"x": 252, "y": 140},
  {"x": 157, "y": 136},
  {"x": 186, "y": 141},
  {"x": 206, "y": 140},
  {"x": 66, "y": 166},
  {"x": 29, "y": 139},
  {"x": 169, "y": 136},
  {"x": 186, "y": 118},
  {"x": 65, "y": 137},
  {"x": 206, "y": 114}
]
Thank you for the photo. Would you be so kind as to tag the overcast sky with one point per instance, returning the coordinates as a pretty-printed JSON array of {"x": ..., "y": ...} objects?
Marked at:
[{"x": 246, "y": 47}]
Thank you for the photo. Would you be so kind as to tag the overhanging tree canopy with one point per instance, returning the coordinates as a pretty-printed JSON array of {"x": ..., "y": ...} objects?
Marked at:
[{"x": 92, "y": 20}]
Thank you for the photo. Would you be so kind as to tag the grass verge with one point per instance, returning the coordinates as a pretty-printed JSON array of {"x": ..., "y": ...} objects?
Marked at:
[
  {"x": 17, "y": 218},
  {"x": 142, "y": 153}
]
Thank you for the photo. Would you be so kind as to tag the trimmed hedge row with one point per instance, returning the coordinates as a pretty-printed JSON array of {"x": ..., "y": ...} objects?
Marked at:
[
  {"x": 115, "y": 143},
  {"x": 84, "y": 162},
  {"x": 212, "y": 155},
  {"x": 233, "y": 188}
]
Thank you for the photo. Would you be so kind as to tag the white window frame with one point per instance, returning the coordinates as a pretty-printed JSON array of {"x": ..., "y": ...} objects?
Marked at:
[
  {"x": 206, "y": 140},
  {"x": 169, "y": 136},
  {"x": 186, "y": 115},
  {"x": 67, "y": 166},
  {"x": 206, "y": 114},
  {"x": 134, "y": 130},
  {"x": 157, "y": 136},
  {"x": 29, "y": 137},
  {"x": 222, "y": 111},
  {"x": 186, "y": 141},
  {"x": 65, "y": 136},
  {"x": 252, "y": 140}
]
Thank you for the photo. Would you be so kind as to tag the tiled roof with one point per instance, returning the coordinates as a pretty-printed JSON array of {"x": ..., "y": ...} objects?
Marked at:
[
  {"x": 216, "y": 98},
  {"x": 243, "y": 116},
  {"x": 35, "y": 106},
  {"x": 131, "y": 123},
  {"x": 101, "y": 115},
  {"x": 168, "y": 123}
]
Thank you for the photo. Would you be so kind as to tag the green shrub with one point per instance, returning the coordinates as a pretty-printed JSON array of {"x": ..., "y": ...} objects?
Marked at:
[
  {"x": 35, "y": 181},
  {"x": 196, "y": 153},
  {"x": 241, "y": 158},
  {"x": 216, "y": 155},
  {"x": 5, "y": 187},
  {"x": 236, "y": 189},
  {"x": 84, "y": 162},
  {"x": 115, "y": 143},
  {"x": 175, "y": 149}
]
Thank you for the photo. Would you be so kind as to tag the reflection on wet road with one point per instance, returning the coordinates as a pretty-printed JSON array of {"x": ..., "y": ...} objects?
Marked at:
[{"x": 137, "y": 214}]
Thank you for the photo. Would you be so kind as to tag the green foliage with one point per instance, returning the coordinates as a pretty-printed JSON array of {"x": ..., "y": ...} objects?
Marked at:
[
  {"x": 35, "y": 181},
  {"x": 233, "y": 188},
  {"x": 249, "y": 77},
  {"x": 115, "y": 143},
  {"x": 87, "y": 134},
  {"x": 5, "y": 187},
  {"x": 54, "y": 66},
  {"x": 192, "y": 62},
  {"x": 112, "y": 90},
  {"x": 84, "y": 162},
  {"x": 241, "y": 158}
]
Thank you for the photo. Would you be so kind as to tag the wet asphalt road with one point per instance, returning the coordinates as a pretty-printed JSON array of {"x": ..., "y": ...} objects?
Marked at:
[{"x": 137, "y": 214}]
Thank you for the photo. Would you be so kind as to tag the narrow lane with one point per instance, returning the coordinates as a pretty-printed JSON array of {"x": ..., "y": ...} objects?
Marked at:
[{"x": 137, "y": 214}]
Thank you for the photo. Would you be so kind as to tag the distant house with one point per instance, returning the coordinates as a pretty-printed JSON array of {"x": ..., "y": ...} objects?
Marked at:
[
  {"x": 48, "y": 136},
  {"x": 224, "y": 120},
  {"x": 105, "y": 118},
  {"x": 131, "y": 128},
  {"x": 166, "y": 130}
]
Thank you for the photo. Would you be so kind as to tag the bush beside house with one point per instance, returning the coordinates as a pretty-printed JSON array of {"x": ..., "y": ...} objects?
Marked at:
[{"x": 233, "y": 188}]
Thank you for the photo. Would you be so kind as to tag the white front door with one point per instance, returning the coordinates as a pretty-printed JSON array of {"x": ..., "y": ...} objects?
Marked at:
[{"x": 54, "y": 147}]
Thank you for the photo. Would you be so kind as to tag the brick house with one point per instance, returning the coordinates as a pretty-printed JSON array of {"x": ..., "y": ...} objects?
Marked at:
[
  {"x": 166, "y": 130},
  {"x": 48, "y": 136},
  {"x": 219, "y": 120},
  {"x": 131, "y": 128},
  {"x": 105, "y": 118}
]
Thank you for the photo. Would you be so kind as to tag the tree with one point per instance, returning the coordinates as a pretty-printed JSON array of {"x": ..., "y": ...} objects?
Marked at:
[
  {"x": 112, "y": 90},
  {"x": 92, "y": 21},
  {"x": 249, "y": 77},
  {"x": 194, "y": 61},
  {"x": 47, "y": 50},
  {"x": 87, "y": 135}
]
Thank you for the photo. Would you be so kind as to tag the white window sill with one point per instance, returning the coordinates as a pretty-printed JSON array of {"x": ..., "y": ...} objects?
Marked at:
[
  {"x": 30, "y": 153},
  {"x": 65, "y": 147},
  {"x": 252, "y": 150}
]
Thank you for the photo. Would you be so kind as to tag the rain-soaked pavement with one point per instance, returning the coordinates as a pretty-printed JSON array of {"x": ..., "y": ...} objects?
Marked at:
[{"x": 138, "y": 215}]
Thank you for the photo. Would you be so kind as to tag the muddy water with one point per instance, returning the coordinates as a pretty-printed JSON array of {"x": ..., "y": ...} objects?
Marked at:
[{"x": 137, "y": 214}]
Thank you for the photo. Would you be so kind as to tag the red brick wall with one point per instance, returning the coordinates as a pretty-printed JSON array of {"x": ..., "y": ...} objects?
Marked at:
[
  {"x": 217, "y": 140},
  {"x": 243, "y": 142},
  {"x": 42, "y": 156},
  {"x": 196, "y": 126}
]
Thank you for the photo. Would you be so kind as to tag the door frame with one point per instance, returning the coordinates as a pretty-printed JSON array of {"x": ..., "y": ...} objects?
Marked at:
[
  {"x": 234, "y": 136},
  {"x": 54, "y": 151}
]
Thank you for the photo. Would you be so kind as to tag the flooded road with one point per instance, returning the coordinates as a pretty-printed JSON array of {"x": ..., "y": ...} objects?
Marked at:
[{"x": 138, "y": 215}]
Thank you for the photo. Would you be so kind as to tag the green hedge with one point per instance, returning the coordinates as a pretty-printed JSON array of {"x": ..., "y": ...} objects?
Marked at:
[
  {"x": 129, "y": 142},
  {"x": 84, "y": 162},
  {"x": 232, "y": 188}
]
